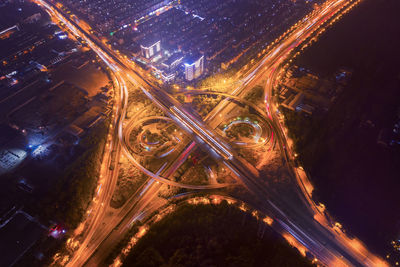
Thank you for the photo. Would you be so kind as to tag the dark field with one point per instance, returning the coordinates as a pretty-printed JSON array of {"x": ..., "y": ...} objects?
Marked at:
[
  {"x": 211, "y": 235},
  {"x": 355, "y": 177}
]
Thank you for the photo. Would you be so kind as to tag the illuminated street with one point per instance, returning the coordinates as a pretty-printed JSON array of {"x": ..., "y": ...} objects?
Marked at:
[
  {"x": 169, "y": 135},
  {"x": 268, "y": 66}
]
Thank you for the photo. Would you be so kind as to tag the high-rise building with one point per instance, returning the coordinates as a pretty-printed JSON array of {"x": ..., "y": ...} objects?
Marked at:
[
  {"x": 194, "y": 67},
  {"x": 150, "y": 49}
]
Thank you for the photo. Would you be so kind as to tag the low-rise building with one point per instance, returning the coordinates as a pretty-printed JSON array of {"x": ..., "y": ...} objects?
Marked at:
[{"x": 173, "y": 61}]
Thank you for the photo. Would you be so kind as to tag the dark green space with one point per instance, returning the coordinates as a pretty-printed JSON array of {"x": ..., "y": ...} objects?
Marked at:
[
  {"x": 204, "y": 104},
  {"x": 67, "y": 201},
  {"x": 238, "y": 130},
  {"x": 355, "y": 177},
  {"x": 68, "y": 193},
  {"x": 211, "y": 235},
  {"x": 129, "y": 181},
  {"x": 255, "y": 95}
]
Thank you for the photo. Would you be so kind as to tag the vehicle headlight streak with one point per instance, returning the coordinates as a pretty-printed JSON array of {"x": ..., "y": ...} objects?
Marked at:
[{"x": 214, "y": 143}]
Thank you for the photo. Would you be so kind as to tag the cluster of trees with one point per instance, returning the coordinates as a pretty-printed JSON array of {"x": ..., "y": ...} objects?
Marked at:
[
  {"x": 182, "y": 169},
  {"x": 139, "y": 96},
  {"x": 153, "y": 137},
  {"x": 237, "y": 130},
  {"x": 203, "y": 104},
  {"x": 211, "y": 235},
  {"x": 68, "y": 200},
  {"x": 215, "y": 82},
  {"x": 129, "y": 181},
  {"x": 116, "y": 250},
  {"x": 255, "y": 95},
  {"x": 356, "y": 178},
  {"x": 69, "y": 197},
  {"x": 302, "y": 129},
  {"x": 195, "y": 175}
]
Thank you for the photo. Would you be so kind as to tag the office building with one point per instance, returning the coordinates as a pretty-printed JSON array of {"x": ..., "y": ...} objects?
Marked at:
[
  {"x": 194, "y": 67},
  {"x": 150, "y": 49}
]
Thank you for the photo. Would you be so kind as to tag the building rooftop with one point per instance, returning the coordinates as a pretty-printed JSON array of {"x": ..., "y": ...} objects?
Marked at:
[
  {"x": 149, "y": 41},
  {"x": 173, "y": 59},
  {"x": 192, "y": 58}
]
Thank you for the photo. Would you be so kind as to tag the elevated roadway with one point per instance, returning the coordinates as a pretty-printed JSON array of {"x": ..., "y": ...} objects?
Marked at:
[{"x": 315, "y": 237}]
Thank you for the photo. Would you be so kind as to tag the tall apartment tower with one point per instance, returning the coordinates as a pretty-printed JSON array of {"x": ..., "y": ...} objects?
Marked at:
[
  {"x": 149, "y": 49},
  {"x": 194, "y": 68}
]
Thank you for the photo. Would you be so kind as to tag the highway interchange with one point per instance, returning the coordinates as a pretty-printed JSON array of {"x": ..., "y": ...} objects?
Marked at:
[{"x": 308, "y": 225}]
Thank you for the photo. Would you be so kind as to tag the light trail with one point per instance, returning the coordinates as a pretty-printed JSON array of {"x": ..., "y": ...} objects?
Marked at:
[
  {"x": 217, "y": 146},
  {"x": 291, "y": 41}
]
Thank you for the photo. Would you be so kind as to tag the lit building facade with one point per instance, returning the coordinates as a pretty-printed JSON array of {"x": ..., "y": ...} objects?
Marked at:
[
  {"x": 148, "y": 51},
  {"x": 194, "y": 68}
]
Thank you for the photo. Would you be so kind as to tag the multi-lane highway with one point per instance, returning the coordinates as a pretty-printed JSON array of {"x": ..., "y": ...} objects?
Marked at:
[{"x": 325, "y": 244}]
